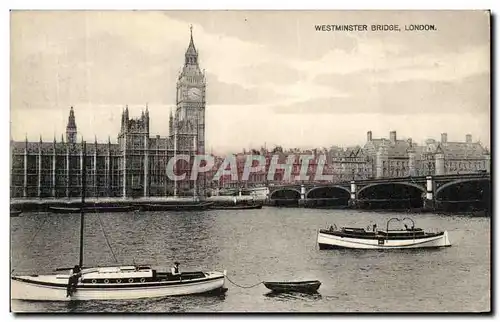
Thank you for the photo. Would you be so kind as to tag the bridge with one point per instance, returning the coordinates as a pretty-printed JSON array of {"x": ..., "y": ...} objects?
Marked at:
[{"x": 428, "y": 192}]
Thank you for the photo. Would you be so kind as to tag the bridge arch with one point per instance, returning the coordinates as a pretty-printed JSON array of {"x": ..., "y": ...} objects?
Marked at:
[
  {"x": 314, "y": 190},
  {"x": 328, "y": 197},
  {"x": 421, "y": 188},
  {"x": 455, "y": 182},
  {"x": 391, "y": 195},
  {"x": 285, "y": 192},
  {"x": 465, "y": 195}
]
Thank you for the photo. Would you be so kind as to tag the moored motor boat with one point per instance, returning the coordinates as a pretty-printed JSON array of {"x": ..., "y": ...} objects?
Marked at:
[
  {"x": 302, "y": 286},
  {"x": 237, "y": 207},
  {"x": 91, "y": 209},
  {"x": 15, "y": 213},
  {"x": 176, "y": 207},
  {"x": 361, "y": 238}
]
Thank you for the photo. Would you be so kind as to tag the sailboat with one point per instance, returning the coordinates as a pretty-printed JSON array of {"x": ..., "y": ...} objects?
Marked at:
[{"x": 112, "y": 282}]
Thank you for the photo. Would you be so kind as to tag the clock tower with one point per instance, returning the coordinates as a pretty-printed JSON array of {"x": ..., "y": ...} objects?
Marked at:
[{"x": 190, "y": 102}]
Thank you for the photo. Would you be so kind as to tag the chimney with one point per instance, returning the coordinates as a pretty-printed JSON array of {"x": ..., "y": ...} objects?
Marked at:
[
  {"x": 393, "y": 136},
  {"x": 368, "y": 136},
  {"x": 444, "y": 138},
  {"x": 468, "y": 138},
  {"x": 410, "y": 142}
]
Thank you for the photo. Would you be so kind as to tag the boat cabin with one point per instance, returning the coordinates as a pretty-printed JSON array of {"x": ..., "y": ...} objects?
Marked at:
[
  {"x": 131, "y": 274},
  {"x": 354, "y": 230},
  {"x": 363, "y": 233},
  {"x": 120, "y": 272}
]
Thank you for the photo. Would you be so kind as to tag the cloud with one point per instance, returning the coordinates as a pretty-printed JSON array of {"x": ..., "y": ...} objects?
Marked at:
[
  {"x": 469, "y": 95},
  {"x": 222, "y": 93},
  {"x": 276, "y": 73}
]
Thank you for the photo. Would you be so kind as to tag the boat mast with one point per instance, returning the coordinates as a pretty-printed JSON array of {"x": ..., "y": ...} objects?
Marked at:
[
  {"x": 175, "y": 154},
  {"x": 84, "y": 183},
  {"x": 195, "y": 148}
]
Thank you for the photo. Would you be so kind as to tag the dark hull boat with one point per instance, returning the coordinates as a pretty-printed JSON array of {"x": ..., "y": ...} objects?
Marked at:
[
  {"x": 73, "y": 210},
  {"x": 303, "y": 287},
  {"x": 237, "y": 207},
  {"x": 15, "y": 213},
  {"x": 176, "y": 207}
]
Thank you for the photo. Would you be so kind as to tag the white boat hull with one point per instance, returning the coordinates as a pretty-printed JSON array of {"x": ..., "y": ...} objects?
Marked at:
[
  {"x": 333, "y": 241},
  {"x": 53, "y": 288}
]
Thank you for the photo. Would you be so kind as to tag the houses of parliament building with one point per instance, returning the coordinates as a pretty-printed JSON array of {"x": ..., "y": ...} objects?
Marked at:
[{"x": 135, "y": 166}]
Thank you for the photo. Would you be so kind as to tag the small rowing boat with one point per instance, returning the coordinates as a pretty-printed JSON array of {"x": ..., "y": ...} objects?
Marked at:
[{"x": 303, "y": 286}]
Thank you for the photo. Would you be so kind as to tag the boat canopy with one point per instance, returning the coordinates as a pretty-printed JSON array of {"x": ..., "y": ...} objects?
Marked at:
[{"x": 402, "y": 232}]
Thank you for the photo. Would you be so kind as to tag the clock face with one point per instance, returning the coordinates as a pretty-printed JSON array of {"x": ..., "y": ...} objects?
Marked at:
[{"x": 194, "y": 94}]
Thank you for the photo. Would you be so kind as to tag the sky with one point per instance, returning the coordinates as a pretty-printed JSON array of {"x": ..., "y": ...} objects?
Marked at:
[{"x": 271, "y": 77}]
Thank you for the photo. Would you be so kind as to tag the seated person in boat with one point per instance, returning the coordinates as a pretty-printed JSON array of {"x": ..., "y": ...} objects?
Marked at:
[
  {"x": 175, "y": 269},
  {"x": 75, "y": 274}
]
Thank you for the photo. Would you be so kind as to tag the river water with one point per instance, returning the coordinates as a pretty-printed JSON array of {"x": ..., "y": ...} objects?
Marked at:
[{"x": 271, "y": 244}]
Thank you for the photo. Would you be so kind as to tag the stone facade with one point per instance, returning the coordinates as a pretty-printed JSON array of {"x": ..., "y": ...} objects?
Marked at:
[{"x": 401, "y": 158}]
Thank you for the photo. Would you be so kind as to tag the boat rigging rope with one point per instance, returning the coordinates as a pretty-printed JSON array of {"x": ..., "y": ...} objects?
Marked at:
[
  {"x": 242, "y": 285},
  {"x": 34, "y": 236},
  {"x": 37, "y": 231},
  {"x": 106, "y": 237}
]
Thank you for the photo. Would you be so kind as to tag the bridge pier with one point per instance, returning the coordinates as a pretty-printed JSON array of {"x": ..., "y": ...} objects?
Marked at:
[
  {"x": 302, "y": 201},
  {"x": 352, "y": 201},
  {"x": 428, "y": 203}
]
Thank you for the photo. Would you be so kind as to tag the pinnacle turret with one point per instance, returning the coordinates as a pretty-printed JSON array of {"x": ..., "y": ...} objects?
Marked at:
[{"x": 71, "y": 129}]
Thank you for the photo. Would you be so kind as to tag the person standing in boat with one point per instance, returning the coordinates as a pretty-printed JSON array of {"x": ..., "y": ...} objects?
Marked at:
[
  {"x": 75, "y": 274},
  {"x": 175, "y": 269}
]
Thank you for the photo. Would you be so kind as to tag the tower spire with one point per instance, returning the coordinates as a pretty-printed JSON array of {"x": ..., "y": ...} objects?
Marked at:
[
  {"x": 171, "y": 123},
  {"x": 71, "y": 129},
  {"x": 191, "y": 54}
]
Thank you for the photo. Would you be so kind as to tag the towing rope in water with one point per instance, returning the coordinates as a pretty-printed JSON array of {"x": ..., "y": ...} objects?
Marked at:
[{"x": 242, "y": 285}]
